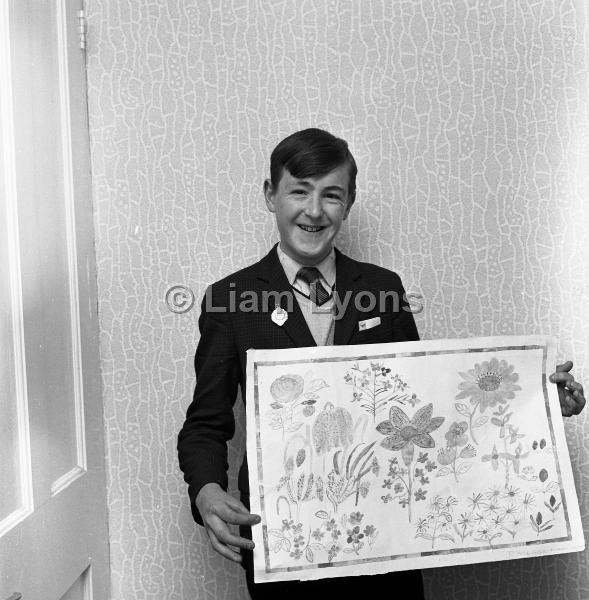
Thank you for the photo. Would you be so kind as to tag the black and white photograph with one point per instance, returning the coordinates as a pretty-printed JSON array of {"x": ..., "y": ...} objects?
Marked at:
[{"x": 293, "y": 299}]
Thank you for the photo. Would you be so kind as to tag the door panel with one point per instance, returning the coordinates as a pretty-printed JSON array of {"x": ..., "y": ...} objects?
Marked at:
[
  {"x": 53, "y": 519},
  {"x": 45, "y": 238}
]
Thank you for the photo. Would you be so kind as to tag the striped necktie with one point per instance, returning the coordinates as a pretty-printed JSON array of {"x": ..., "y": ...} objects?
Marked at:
[{"x": 311, "y": 275}]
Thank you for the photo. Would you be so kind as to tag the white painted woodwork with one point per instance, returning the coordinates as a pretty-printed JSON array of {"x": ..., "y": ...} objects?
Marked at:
[
  {"x": 15, "y": 468},
  {"x": 53, "y": 519},
  {"x": 81, "y": 589}
]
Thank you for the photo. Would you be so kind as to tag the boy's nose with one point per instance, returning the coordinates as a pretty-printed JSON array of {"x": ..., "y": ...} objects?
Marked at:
[{"x": 314, "y": 208}]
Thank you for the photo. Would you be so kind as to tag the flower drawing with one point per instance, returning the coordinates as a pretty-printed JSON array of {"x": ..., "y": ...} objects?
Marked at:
[
  {"x": 333, "y": 428},
  {"x": 455, "y": 436},
  {"x": 438, "y": 522},
  {"x": 510, "y": 458},
  {"x": 488, "y": 516},
  {"x": 293, "y": 395},
  {"x": 493, "y": 458},
  {"x": 326, "y": 539},
  {"x": 488, "y": 384},
  {"x": 403, "y": 434},
  {"x": 456, "y": 448},
  {"x": 287, "y": 388},
  {"x": 448, "y": 456},
  {"x": 375, "y": 386}
]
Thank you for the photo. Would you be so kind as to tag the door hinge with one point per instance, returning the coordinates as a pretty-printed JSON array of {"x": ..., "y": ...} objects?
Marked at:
[{"x": 82, "y": 29}]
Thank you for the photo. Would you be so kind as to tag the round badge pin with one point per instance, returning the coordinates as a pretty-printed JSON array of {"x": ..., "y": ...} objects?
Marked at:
[{"x": 279, "y": 316}]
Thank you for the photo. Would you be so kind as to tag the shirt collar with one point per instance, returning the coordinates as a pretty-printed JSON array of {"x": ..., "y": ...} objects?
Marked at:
[{"x": 291, "y": 267}]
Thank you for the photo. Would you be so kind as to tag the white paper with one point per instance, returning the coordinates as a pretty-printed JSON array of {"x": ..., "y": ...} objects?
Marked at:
[{"x": 387, "y": 457}]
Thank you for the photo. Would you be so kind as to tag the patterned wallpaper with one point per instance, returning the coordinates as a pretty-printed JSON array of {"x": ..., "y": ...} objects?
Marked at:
[{"x": 469, "y": 120}]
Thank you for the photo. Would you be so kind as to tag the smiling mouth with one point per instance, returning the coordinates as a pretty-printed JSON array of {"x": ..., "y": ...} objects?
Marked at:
[{"x": 311, "y": 228}]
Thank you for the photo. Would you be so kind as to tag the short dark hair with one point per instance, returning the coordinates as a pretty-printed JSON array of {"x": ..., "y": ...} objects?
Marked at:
[{"x": 309, "y": 153}]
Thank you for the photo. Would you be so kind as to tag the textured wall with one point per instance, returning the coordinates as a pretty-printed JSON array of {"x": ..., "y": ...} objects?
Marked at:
[{"x": 470, "y": 123}]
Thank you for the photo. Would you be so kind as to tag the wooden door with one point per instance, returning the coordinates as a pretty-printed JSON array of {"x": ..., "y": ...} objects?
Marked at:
[{"x": 53, "y": 518}]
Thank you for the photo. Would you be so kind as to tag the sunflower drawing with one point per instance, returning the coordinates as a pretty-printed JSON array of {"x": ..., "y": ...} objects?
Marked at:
[{"x": 490, "y": 383}]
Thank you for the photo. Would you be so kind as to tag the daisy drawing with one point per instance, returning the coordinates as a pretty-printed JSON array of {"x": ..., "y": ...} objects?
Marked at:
[{"x": 488, "y": 384}]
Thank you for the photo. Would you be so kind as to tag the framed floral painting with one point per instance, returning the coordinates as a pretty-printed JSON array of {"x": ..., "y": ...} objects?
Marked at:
[{"x": 387, "y": 457}]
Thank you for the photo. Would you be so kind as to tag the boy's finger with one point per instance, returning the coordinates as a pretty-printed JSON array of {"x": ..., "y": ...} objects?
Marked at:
[
  {"x": 230, "y": 515},
  {"x": 230, "y": 539},
  {"x": 238, "y": 506},
  {"x": 561, "y": 377},
  {"x": 579, "y": 401},
  {"x": 222, "y": 549}
]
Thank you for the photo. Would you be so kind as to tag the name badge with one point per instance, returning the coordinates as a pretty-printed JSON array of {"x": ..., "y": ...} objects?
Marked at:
[{"x": 368, "y": 324}]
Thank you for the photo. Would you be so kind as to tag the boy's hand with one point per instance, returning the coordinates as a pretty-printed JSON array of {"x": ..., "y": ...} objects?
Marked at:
[
  {"x": 218, "y": 509},
  {"x": 570, "y": 392}
]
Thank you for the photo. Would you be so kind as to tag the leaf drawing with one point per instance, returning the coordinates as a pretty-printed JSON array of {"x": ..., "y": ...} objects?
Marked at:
[
  {"x": 315, "y": 385},
  {"x": 462, "y": 409},
  {"x": 348, "y": 473},
  {"x": 298, "y": 484},
  {"x": 539, "y": 525},
  {"x": 552, "y": 505}
]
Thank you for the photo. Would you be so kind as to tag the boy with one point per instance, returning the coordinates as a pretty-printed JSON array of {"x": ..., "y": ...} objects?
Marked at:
[{"x": 320, "y": 297}]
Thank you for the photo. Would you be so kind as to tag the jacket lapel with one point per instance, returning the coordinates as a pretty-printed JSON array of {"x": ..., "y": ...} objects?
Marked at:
[
  {"x": 347, "y": 285},
  {"x": 272, "y": 275}
]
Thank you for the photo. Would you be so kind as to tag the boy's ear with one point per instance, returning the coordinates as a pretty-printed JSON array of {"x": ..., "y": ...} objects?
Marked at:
[{"x": 269, "y": 195}]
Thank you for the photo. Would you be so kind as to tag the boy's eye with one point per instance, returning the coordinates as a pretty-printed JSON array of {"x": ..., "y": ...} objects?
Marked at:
[{"x": 299, "y": 192}]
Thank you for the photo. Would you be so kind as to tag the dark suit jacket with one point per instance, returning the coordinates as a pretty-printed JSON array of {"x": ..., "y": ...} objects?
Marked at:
[{"x": 220, "y": 360}]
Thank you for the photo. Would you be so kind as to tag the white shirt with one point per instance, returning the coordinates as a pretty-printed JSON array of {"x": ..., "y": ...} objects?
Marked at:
[
  {"x": 292, "y": 267},
  {"x": 319, "y": 318}
]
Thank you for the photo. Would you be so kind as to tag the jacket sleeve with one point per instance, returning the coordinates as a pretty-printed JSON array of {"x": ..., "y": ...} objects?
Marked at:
[
  {"x": 404, "y": 328},
  {"x": 209, "y": 424}
]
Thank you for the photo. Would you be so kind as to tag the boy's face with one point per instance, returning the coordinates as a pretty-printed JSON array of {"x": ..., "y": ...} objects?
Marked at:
[{"x": 309, "y": 212}]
